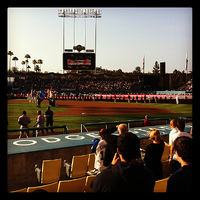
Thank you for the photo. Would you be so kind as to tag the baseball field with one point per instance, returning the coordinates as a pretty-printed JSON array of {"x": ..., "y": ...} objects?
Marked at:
[{"x": 74, "y": 113}]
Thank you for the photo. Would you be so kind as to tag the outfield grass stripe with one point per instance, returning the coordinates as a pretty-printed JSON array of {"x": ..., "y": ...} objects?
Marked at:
[{"x": 74, "y": 121}]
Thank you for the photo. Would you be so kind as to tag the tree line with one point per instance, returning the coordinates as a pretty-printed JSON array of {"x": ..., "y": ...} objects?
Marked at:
[{"x": 36, "y": 67}]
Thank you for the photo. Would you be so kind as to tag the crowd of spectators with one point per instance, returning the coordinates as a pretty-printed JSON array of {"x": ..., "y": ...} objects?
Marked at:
[
  {"x": 188, "y": 87},
  {"x": 107, "y": 85},
  {"x": 75, "y": 84},
  {"x": 119, "y": 155}
]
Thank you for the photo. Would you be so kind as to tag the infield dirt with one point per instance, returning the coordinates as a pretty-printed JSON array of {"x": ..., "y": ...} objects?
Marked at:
[{"x": 101, "y": 108}]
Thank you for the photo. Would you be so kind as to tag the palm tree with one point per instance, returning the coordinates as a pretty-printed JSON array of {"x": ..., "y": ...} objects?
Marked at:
[
  {"x": 10, "y": 53},
  {"x": 28, "y": 68},
  {"x": 26, "y": 61},
  {"x": 40, "y": 62},
  {"x": 14, "y": 69},
  {"x": 27, "y": 56},
  {"x": 15, "y": 59},
  {"x": 37, "y": 68},
  {"x": 23, "y": 63},
  {"x": 34, "y": 62}
]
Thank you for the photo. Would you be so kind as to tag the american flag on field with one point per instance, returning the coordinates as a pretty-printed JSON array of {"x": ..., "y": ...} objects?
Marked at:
[
  {"x": 31, "y": 93},
  {"x": 48, "y": 91}
]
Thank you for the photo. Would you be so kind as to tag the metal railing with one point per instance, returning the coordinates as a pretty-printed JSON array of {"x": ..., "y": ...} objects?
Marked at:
[
  {"x": 119, "y": 122},
  {"x": 186, "y": 118},
  {"x": 40, "y": 128}
]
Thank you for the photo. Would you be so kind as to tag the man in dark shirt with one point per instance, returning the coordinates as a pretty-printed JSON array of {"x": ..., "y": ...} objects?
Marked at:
[
  {"x": 124, "y": 174},
  {"x": 111, "y": 140},
  {"x": 49, "y": 117},
  {"x": 182, "y": 179}
]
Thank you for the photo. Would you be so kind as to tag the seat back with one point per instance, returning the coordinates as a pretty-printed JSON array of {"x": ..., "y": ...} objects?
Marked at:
[
  {"x": 79, "y": 166},
  {"x": 24, "y": 190},
  {"x": 74, "y": 185},
  {"x": 161, "y": 185},
  {"x": 49, "y": 188},
  {"x": 87, "y": 183},
  {"x": 165, "y": 154},
  {"x": 166, "y": 168},
  {"x": 91, "y": 160},
  {"x": 51, "y": 171}
]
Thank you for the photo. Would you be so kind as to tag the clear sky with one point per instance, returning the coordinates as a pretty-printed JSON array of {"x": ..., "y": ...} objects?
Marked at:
[{"x": 124, "y": 36}]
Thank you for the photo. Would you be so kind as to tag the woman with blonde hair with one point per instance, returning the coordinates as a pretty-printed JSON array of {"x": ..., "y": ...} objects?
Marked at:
[{"x": 153, "y": 153}]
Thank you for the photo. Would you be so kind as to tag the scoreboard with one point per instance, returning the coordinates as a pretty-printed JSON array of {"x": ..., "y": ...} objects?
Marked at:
[{"x": 79, "y": 61}]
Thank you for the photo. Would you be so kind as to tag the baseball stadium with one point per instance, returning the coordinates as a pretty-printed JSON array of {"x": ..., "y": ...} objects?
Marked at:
[
  {"x": 83, "y": 118},
  {"x": 57, "y": 121}
]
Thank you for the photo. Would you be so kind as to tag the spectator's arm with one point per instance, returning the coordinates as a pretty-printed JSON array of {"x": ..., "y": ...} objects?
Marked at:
[{"x": 106, "y": 134}]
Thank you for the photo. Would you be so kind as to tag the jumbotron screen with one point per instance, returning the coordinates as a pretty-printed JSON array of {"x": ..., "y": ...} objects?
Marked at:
[{"x": 79, "y": 61}]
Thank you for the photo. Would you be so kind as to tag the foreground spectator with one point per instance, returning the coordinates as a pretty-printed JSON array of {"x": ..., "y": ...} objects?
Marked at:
[
  {"x": 111, "y": 140},
  {"x": 100, "y": 153},
  {"x": 181, "y": 132},
  {"x": 94, "y": 145},
  {"x": 124, "y": 174},
  {"x": 182, "y": 179},
  {"x": 153, "y": 153},
  {"x": 173, "y": 125}
]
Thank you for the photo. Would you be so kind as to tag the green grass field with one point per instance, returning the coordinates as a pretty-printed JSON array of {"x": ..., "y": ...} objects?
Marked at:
[
  {"x": 31, "y": 109},
  {"x": 74, "y": 122}
]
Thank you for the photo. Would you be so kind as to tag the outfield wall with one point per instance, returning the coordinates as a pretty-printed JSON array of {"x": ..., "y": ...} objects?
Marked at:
[{"x": 133, "y": 98}]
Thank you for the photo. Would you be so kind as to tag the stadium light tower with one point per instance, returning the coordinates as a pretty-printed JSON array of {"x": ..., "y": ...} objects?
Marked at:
[{"x": 79, "y": 13}]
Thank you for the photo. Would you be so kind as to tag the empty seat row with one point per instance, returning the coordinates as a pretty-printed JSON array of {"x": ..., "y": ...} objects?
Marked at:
[
  {"x": 50, "y": 171},
  {"x": 74, "y": 185},
  {"x": 82, "y": 185}
]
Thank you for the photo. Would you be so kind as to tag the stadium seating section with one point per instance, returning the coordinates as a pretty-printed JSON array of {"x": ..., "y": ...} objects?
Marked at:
[{"x": 78, "y": 181}]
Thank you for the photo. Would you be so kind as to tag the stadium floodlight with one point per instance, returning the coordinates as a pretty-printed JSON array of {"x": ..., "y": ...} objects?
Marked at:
[{"x": 79, "y": 13}]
